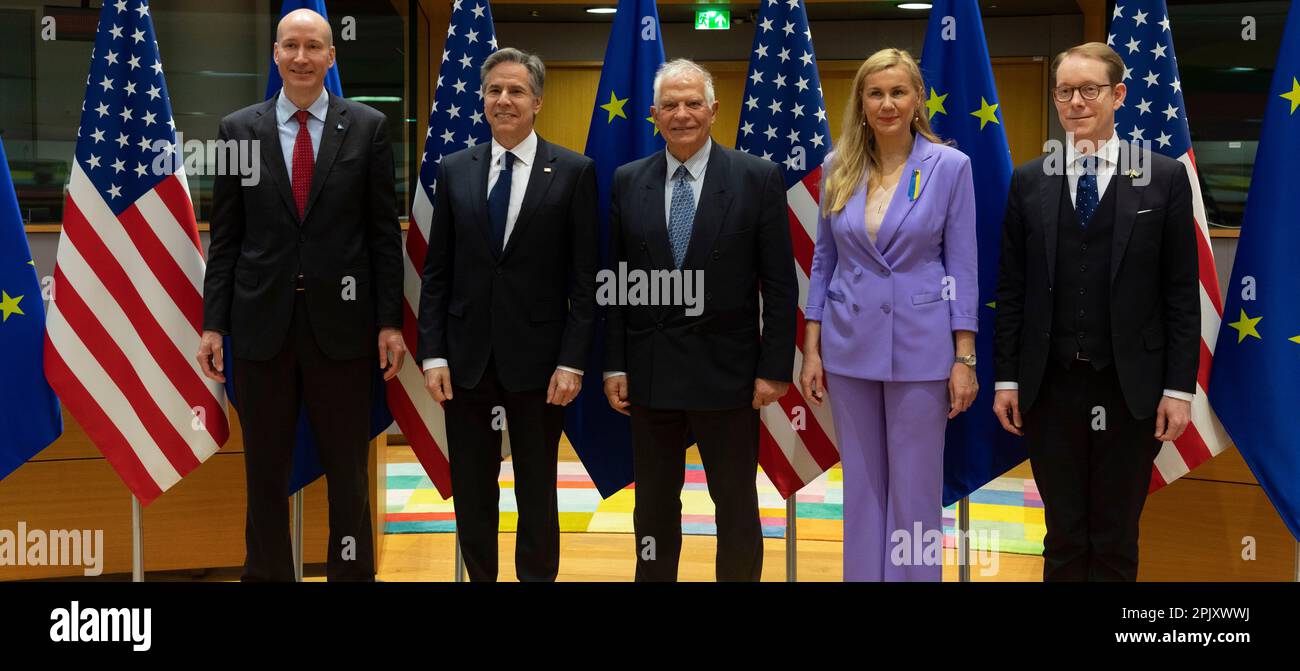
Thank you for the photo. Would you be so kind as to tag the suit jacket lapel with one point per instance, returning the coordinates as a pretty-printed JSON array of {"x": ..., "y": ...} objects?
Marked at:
[
  {"x": 712, "y": 210},
  {"x": 1127, "y": 199},
  {"x": 902, "y": 203},
  {"x": 336, "y": 128},
  {"x": 652, "y": 202},
  {"x": 267, "y": 131},
  {"x": 539, "y": 180},
  {"x": 1049, "y": 198},
  {"x": 481, "y": 160}
]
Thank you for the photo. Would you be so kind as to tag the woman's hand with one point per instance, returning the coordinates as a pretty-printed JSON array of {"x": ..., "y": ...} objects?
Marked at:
[
  {"x": 962, "y": 388},
  {"x": 812, "y": 381}
]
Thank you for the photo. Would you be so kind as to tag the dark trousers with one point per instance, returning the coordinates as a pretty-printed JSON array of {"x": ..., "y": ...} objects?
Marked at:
[
  {"x": 728, "y": 442},
  {"x": 337, "y": 397},
  {"x": 474, "y": 446},
  {"x": 1092, "y": 463}
]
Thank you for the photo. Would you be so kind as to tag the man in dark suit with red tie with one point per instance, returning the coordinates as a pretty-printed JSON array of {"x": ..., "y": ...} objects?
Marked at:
[{"x": 305, "y": 276}]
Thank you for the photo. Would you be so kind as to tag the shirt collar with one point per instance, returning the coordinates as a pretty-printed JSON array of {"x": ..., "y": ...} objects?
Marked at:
[
  {"x": 285, "y": 109},
  {"x": 695, "y": 164},
  {"x": 524, "y": 152},
  {"x": 1107, "y": 153}
]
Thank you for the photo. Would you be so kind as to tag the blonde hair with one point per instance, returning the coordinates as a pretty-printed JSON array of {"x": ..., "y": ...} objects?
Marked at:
[{"x": 857, "y": 150}]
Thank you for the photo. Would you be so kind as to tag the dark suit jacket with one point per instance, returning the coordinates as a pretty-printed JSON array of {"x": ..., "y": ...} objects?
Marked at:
[
  {"x": 741, "y": 240},
  {"x": 1154, "y": 288},
  {"x": 532, "y": 305},
  {"x": 348, "y": 239}
]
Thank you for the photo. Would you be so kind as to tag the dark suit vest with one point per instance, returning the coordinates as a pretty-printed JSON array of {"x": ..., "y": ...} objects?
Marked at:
[{"x": 1081, "y": 304}]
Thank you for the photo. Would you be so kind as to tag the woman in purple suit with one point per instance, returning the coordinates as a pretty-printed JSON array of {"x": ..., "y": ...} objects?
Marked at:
[{"x": 891, "y": 317}]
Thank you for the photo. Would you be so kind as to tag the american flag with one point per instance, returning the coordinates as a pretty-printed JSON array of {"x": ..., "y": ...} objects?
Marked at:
[
  {"x": 127, "y": 310},
  {"x": 783, "y": 119},
  {"x": 455, "y": 122},
  {"x": 1154, "y": 113}
]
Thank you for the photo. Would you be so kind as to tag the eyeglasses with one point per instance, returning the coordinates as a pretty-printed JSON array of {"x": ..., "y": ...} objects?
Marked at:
[{"x": 1065, "y": 94}]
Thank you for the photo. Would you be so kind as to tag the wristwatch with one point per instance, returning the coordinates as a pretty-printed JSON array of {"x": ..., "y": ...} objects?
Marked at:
[{"x": 969, "y": 360}]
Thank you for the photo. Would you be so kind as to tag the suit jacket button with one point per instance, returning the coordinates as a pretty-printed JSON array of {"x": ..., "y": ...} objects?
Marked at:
[
  {"x": 885, "y": 308},
  {"x": 857, "y": 272},
  {"x": 643, "y": 244},
  {"x": 855, "y": 307},
  {"x": 659, "y": 326},
  {"x": 716, "y": 255},
  {"x": 498, "y": 271},
  {"x": 886, "y": 272},
  {"x": 708, "y": 295},
  {"x": 302, "y": 238}
]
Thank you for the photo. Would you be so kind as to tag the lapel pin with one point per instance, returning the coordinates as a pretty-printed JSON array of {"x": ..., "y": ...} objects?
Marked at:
[
  {"x": 546, "y": 169},
  {"x": 339, "y": 127},
  {"x": 914, "y": 186},
  {"x": 1133, "y": 174}
]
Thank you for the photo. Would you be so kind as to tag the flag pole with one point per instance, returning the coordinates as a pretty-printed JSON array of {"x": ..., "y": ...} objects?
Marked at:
[
  {"x": 963, "y": 539},
  {"x": 1297, "y": 561},
  {"x": 791, "y": 539},
  {"x": 137, "y": 540},
  {"x": 460, "y": 559},
  {"x": 296, "y": 536}
]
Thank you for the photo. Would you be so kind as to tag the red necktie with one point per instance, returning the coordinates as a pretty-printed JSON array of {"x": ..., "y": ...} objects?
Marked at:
[{"x": 303, "y": 162}]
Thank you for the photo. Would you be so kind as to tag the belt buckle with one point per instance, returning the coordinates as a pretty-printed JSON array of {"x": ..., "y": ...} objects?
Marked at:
[
  {"x": 1079, "y": 356},
  {"x": 299, "y": 286}
]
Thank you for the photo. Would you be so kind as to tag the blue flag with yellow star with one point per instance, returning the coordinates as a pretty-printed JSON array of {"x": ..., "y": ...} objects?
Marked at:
[
  {"x": 962, "y": 103},
  {"x": 621, "y": 131},
  {"x": 1255, "y": 383},
  {"x": 29, "y": 410}
]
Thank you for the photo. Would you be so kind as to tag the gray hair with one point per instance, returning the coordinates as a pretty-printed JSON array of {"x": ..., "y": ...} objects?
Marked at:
[
  {"x": 536, "y": 69},
  {"x": 683, "y": 66}
]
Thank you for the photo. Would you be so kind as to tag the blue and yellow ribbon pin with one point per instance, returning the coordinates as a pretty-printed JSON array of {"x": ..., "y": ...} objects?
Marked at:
[{"x": 914, "y": 186}]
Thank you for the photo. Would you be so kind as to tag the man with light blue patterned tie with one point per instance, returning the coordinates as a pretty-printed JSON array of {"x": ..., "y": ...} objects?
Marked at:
[{"x": 719, "y": 214}]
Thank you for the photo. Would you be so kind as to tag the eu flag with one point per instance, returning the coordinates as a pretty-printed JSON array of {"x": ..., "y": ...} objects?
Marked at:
[
  {"x": 622, "y": 130},
  {"x": 307, "y": 466},
  {"x": 29, "y": 410},
  {"x": 962, "y": 104},
  {"x": 1253, "y": 386}
]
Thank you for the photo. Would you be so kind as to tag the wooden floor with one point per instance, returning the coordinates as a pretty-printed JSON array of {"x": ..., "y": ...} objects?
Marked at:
[
  {"x": 608, "y": 557},
  {"x": 603, "y": 557}
]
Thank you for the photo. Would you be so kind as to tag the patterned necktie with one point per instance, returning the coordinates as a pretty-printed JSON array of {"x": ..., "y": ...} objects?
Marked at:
[
  {"x": 1085, "y": 196},
  {"x": 681, "y": 215},
  {"x": 499, "y": 203},
  {"x": 303, "y": 164}
]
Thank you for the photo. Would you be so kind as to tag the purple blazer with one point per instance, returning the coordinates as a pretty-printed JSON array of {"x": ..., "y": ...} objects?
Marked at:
[{"x": 888, "y": 309}]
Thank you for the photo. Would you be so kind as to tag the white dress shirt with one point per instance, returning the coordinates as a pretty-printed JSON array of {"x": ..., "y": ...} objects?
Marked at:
[
  {"x": 695, "y": 167},
  {"x": 525, "y": 153},
  {"x": 1107, "y": 162},
  {"x": 287, "y": 125}
]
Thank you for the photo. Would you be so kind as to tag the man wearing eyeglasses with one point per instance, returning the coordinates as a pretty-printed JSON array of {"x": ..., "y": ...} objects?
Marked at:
[{"x": 1097, "y": 338}]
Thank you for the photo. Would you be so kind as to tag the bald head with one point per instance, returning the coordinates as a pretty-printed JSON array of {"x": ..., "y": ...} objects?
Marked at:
[
  {"x": 305, "y": 21},
  {"x": 304, "y": 53}
]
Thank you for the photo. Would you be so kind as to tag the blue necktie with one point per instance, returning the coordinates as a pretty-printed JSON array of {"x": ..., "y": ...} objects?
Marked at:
[
  {"x": 1085, "y": 196},
  {"x": 499, "y": 203},
  {"x": 681, "y": 215}
]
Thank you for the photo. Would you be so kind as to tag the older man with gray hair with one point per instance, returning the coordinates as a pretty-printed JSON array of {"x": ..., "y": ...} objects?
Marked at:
[
  {"x": 506, "y": 312},
  {"x": 704, "y": 208}
]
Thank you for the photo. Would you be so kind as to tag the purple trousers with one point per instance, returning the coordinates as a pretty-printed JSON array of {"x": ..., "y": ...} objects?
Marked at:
[{"x": 891, "y": 437}]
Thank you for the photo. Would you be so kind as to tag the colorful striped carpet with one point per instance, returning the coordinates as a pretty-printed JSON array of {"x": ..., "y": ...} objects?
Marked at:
[{"x": 1006, "y": 515}]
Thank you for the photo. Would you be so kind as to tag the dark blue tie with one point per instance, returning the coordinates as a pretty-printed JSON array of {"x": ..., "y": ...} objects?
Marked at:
[
  {"x": 499, "y": 204},
  {"x": 1085, "y": 196}
]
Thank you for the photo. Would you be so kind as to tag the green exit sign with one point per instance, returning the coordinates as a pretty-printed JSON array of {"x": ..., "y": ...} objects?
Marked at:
[{"x": 712, "y": 19}]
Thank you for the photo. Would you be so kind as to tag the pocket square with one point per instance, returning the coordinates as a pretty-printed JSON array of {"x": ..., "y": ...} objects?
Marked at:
[{"x": 1153, "y": 209}]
